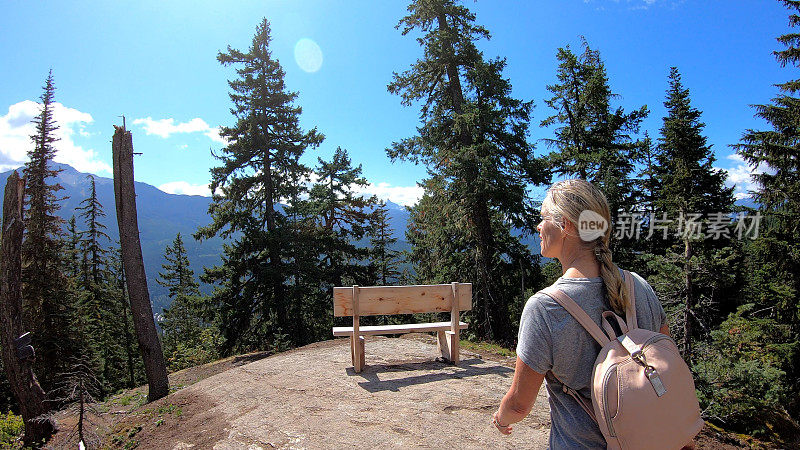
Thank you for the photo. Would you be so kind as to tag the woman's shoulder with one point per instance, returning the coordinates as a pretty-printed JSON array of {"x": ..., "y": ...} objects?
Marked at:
[
  {"x": 538, "y": 300},
  {"x": 539, "y": 304},
  {"x": 639, "y": 280}
]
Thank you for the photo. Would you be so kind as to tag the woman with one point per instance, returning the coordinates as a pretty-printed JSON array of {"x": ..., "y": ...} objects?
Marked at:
[{"x": 552, "y": 345}]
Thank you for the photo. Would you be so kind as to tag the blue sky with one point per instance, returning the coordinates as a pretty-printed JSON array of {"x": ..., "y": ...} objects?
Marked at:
[{"x": 155, "y": 62}]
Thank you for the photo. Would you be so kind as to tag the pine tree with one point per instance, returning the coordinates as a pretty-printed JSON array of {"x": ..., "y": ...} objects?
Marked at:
[
  {"x": 775, "y": 283},
  {"x": 472, "y": 138},
  {"x": 385, "y": 258},
  {"x": 688, "y": 184},
  {"x": 266, "y": 143},
  {"x": 593, "y": 140},
  {"x": 102, "y": 342},
  {"x": 184, "y": 321},
  {"x": 91, "y": 211},
  {"x": 177, "y": 276},
  {"x": 342, "y": 219},
  {"x": 50, "y": 311}
]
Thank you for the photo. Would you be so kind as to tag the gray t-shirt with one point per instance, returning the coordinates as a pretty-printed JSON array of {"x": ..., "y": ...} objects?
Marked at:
[{"x": 550, "y": 339}]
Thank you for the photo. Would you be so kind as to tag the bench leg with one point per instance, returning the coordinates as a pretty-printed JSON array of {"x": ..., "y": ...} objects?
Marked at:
[
  {"x": 352, "y": 351},
  {"x": 361, "y": 349},
  {"x": 448, "y": 345},
  {"x": 357, "y": 353},
  {"x": 444, "y": 346},
  {"x": 453, "y": 343}
]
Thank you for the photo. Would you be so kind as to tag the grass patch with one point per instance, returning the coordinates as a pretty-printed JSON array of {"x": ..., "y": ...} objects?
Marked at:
[
  {"x": 136, "y": 399},
  {"x": 169, "y": 409},
  {"x": 488, "y": 347}
]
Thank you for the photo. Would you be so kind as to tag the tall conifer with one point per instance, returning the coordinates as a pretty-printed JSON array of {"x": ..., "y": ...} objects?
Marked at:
[
  {"x": 688, "y": 185},
  {"x": 343, "y": 219},
  {"x": 265, "y": 144},
  {"x": 50, "y": 312},
  {"x": 472, "y": 138},
  {"x": 593, "y": 140},
  {"x": 775, "y": 281},
  {"x": 385, "y": 258}
]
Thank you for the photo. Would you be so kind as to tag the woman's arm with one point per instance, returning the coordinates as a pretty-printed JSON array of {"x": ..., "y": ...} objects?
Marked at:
[{"x": 520, "y": 397}]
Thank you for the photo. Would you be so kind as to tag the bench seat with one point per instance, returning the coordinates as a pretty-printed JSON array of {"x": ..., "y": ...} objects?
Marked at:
[{"x": 397, "y": 329}]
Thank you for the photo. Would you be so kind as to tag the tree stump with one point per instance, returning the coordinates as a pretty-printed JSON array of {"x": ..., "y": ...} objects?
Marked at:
[{"x": 17, "y": 353}]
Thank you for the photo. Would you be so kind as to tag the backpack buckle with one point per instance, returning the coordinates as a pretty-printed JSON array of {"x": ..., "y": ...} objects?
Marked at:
[{"x": 655, "y": 380}]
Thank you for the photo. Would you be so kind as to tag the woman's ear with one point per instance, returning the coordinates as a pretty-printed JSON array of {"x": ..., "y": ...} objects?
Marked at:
[{"x": 569, "y": 229}]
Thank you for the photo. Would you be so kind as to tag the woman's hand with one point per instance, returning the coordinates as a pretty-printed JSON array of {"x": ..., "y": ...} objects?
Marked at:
[
  {"x": 520, "y": 397},
  {"x": 505, "y": 429}
]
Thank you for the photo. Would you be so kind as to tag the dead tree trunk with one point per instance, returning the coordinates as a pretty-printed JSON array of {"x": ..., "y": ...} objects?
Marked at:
[
  {"x": 133, "y": 265},
  {"x": 17, "y": 353},
  {"x": 689, "y": 304}
]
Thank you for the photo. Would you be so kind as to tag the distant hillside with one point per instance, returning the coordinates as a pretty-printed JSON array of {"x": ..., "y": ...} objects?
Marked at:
[{"x": 161, "y": 217}]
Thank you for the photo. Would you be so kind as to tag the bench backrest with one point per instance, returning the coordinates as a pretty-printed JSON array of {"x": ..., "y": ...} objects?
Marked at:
[{"x": 377, "y": 300}]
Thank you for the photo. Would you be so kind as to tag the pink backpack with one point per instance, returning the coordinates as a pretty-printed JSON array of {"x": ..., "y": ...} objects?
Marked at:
[{"x": 642, "y": 391}]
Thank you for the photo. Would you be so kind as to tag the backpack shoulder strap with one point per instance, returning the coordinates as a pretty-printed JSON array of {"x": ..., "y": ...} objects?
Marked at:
[
  {"x": 579, "y": 314},
  {"x": 630, "y": 312}
]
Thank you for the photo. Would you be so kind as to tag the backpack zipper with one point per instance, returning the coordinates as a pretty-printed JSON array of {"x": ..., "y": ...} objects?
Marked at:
[{"x": 606, "y": 376}]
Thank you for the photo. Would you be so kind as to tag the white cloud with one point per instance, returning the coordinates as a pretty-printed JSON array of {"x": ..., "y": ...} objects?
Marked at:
[
  {"x": 16, "y": 129},
  {"x": 402, "y": 195},
  {"x": 741, "y": 175},
  {"x": 167, "y": 127},
  {"x": 184, "y": 188}
]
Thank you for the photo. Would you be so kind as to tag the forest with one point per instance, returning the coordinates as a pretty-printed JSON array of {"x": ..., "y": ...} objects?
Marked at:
[{"x": 727, "y": 272}]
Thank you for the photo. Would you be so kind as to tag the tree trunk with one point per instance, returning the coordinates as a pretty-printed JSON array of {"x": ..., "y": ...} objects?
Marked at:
[
  {"x": 687, "y": 312},
  {"x": 276, "y": 276},
  {"x": 133, "y": 265},
  {"x": 493, "y": 323},
  {"x": 26, "y": 389}
]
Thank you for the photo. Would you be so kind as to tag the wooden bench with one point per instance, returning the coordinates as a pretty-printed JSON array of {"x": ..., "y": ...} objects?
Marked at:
[{"x": 387, "y": 300}]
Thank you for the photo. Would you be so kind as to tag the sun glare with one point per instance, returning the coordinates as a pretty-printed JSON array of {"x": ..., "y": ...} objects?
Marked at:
[{"x": 308, "y": 55}]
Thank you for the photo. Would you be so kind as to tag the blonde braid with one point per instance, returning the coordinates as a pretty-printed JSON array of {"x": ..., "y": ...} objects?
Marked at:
[{"x": 615, "y": 285}]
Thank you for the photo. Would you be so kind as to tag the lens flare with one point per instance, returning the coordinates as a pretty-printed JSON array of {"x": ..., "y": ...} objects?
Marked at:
[{"x": 308, "y": 55}]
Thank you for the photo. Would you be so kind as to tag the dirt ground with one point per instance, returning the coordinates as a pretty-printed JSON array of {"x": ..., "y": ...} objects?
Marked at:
[{"x": 311, "y": 398}]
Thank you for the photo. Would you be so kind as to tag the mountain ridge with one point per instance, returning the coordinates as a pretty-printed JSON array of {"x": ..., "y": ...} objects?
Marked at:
[{"x": 161, "y": 216}]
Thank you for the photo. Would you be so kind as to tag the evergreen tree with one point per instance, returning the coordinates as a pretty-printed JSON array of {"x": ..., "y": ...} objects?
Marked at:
[
  {"x": 385, "y": 258},
  {"x": 264, "y": 147},
  {"x": 342, "y": 220},
  {"x": 688, "y": 184},
  {"x": 177, "y": 276},
  {"x": 50, "y": 311},
  {"x": 184, "y": 324},
  {"x": 592, "y": 139},
  {"x": 472, "y": 138},
  {"x": 776, "y": 278},
  {"x": 308, "y": 291},
  {"x": 103, "y": 347},
  {"x": 91, "y": 211},
  {"x": 73, "y": 249}
]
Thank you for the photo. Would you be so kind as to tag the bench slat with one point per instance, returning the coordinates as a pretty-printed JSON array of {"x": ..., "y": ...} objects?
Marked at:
[
  {"x": 378, "y": 300},
  {"x": 397, "y": 329}
]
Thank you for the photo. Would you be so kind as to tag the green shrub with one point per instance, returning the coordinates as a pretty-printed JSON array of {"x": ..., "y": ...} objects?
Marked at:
[
  {"x": 740, "y": 375},
  {"x": 11, "y": 427},
  {"x": 181, "y": 355}
]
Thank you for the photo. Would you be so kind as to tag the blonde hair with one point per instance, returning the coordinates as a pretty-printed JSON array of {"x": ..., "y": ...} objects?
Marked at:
[{"x": 566, "y": 200}]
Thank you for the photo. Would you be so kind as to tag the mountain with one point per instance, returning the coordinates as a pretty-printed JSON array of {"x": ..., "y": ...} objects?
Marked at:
[{"x": 161, "y": 216}]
